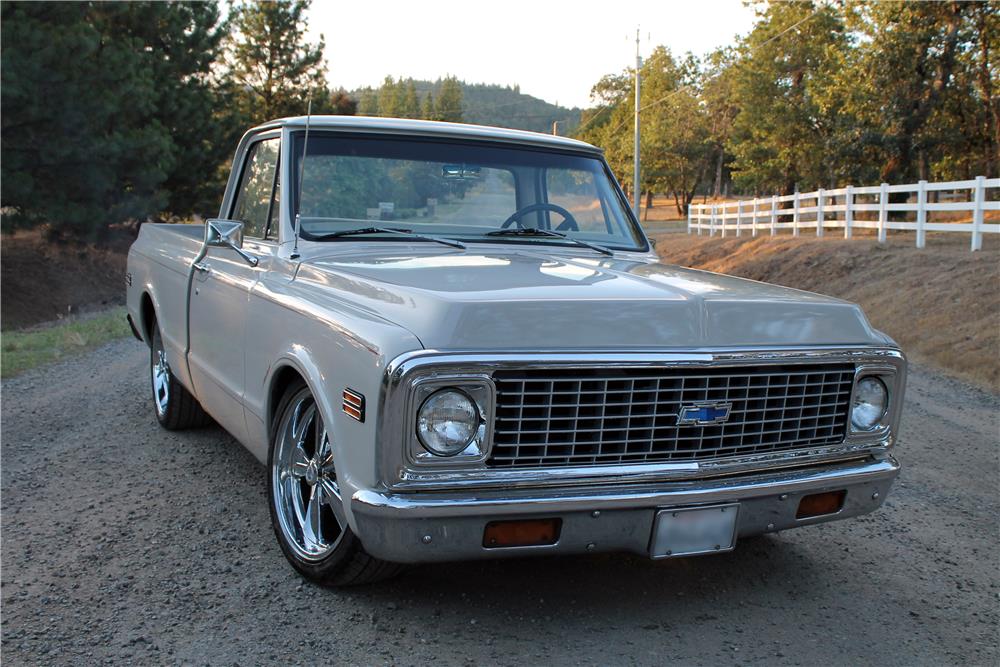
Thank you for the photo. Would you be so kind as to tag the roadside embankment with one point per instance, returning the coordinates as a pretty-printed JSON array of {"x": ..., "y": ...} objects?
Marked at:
[{"x": 941, "y": 304}]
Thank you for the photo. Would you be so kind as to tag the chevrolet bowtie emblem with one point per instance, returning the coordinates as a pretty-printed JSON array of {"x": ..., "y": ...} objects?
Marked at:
[{"x": 704, "y": 414}]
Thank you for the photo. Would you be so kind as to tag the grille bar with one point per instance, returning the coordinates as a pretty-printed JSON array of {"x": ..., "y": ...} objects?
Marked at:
[{"x": 549, "y": 417}]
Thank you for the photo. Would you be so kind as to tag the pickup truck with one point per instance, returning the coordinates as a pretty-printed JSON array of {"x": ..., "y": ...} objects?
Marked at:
[{"x": 451, "y": 342}]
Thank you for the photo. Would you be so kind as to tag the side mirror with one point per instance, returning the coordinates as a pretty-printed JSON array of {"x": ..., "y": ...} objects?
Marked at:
[
  {"x": 227, "y": 234},
  {"x": 652, "y": 243}
]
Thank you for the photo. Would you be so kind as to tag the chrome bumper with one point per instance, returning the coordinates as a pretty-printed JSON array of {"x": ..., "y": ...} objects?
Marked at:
[{"x": 423, "y": 527}]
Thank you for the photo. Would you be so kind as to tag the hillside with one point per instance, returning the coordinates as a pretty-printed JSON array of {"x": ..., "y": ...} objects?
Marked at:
[{"x": 504, "y": 106}]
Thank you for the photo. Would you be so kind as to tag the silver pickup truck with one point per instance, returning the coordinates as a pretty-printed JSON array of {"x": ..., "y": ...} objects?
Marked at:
[{"x": 449, "y": 342}]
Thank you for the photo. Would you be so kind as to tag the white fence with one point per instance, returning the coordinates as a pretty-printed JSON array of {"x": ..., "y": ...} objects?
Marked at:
[{"x": 826, "y": 209}]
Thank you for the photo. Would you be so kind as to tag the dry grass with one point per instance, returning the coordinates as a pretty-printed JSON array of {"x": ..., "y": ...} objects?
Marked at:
[
  {"x": 23, "y": 350},
  {"x": 942, "y": 304}
]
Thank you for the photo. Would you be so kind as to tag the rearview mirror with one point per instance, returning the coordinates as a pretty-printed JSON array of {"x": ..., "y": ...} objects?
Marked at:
[
  {"x": 227, "y": 234},
  {"x": 460, "y": 171}
]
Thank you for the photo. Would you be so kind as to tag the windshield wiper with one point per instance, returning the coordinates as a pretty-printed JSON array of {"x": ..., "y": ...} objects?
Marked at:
[
  {"x": 534, "y": 231},
  {"x": 389, "y": 230}
]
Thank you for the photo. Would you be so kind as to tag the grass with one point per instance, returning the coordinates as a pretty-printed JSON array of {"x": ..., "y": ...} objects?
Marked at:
[{"x": 23, "y": 350}]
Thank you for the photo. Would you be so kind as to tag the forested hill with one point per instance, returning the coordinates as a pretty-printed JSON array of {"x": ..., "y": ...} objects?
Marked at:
[{"x": 502, "y": 106}]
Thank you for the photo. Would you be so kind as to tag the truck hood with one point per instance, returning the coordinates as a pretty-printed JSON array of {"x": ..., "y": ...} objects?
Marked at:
[{"x": 535, "y": 299}]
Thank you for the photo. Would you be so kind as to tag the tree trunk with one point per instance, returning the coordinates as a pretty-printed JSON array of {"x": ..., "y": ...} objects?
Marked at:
[
  {"x": 985, "y": 78},
  {"x": 718, "y": 172}
]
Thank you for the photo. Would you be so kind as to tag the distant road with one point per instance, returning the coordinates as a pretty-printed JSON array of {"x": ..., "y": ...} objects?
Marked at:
[{"x": 126, "y": 543}]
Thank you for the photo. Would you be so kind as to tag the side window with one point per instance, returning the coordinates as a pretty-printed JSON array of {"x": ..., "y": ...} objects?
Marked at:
[
  {"x": 256, "y": 202},
  {"x": 575, "y": 191}
]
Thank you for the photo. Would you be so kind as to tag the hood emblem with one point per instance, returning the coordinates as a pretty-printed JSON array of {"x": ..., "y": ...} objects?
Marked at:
[{"x": 704, "y": 413}]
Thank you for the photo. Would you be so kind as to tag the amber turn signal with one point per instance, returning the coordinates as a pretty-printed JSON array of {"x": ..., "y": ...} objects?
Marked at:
[
  {"x": 819, "y": 504},
  {"x": 533, "y": 533}
]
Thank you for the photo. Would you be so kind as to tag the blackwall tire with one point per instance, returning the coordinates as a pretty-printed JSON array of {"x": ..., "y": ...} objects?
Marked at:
[
  {"x": 304, "y": 500},
  {"x": 174, "y": 406}
]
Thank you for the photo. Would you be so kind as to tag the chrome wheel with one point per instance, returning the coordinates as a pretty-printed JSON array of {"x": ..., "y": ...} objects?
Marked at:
[
  {"x": 161, "y": 381},
  {"x": 304, "y": 482}
]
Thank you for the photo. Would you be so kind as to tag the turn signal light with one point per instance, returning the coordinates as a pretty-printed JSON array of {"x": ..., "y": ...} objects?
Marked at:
[
  {"x": 819, "y": 504},
  {"x": 533, "y": 533}
]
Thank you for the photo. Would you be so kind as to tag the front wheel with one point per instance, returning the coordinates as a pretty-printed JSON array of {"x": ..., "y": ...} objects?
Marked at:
[
  {"x": 174, "y": 405},
  {"x": 307, "y": 510}
]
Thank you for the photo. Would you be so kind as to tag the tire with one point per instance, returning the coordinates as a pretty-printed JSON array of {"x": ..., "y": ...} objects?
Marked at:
[
  {"x": 173, "y": 404},
  {"x": 304, "y": 499}
]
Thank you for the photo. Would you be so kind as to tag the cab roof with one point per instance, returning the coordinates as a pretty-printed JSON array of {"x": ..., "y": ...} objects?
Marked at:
[{"x": 429, "y": 128}]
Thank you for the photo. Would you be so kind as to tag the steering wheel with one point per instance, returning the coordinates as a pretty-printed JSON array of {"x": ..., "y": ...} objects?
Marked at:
[{"x": 568, "y": 224}]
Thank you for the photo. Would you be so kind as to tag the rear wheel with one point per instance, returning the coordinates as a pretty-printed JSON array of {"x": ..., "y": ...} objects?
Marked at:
[
  {"x": 307, "y": 510},
  {"x": 174, "y": 405}
]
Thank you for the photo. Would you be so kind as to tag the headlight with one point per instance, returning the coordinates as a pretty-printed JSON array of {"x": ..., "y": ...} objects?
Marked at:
[
  {"x": 870, "y": 401},
  {"x": 447, "y": 422}
]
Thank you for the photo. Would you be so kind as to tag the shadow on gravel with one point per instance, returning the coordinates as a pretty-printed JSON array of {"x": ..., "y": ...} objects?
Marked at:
[{"x": 682, "y": 591}]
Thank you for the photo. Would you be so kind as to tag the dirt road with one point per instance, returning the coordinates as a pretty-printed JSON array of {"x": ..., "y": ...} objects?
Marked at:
[{"x": 123, "y": 542}]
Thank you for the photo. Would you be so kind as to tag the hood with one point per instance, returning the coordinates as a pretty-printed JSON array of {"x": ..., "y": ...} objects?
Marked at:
[{"x": 537, "y": 299}]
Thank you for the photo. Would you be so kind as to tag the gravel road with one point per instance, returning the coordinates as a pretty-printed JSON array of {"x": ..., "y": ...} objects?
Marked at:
[{"x": 125, "y": 543}]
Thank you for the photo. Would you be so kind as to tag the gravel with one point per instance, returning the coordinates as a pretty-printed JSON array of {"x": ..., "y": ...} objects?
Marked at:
[{"x": 123, "y": 542}]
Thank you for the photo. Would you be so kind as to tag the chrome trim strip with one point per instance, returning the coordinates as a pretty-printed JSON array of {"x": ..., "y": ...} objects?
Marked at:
[{"x": 404, "y": 369}]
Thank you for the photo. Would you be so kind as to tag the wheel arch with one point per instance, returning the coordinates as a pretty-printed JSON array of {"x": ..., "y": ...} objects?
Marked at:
[
  {"x": 283, "y": 377},
  {"x": 147, "y": 316}
]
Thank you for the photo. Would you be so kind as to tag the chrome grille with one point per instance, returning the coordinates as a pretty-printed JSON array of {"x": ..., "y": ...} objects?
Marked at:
[{"x": 552, "y": 417}]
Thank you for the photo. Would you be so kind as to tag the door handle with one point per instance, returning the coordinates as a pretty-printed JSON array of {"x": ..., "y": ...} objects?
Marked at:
[{"x": 204, "y": 268}]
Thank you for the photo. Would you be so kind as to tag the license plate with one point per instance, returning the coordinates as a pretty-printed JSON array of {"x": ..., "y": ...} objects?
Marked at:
[{"x": 694, "y": 530}]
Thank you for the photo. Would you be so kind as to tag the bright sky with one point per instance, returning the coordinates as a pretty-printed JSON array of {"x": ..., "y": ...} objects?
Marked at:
[{"x": 554, "y": 50}]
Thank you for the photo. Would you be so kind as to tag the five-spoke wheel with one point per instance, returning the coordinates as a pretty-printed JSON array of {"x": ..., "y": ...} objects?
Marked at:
[
  {"x": 307, "y": 509},
  {"x": 304, "y": 484}
]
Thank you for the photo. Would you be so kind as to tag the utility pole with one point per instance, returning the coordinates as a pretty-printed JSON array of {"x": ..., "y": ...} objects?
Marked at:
[{"x": 636, "y": 189}]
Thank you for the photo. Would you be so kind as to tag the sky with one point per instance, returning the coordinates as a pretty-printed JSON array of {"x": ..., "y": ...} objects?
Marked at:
[{"x": 554, "y": 50}]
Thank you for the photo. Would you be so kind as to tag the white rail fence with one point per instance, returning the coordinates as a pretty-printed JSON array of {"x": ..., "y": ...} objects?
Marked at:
[{"x": 826, "y": 209}]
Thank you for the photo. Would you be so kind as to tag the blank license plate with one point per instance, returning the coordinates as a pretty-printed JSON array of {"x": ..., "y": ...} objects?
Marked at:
[{"x": 695, "y": 530}]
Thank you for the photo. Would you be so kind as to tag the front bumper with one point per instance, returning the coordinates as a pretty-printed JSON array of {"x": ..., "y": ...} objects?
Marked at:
[{"x": 424, "y": 527}]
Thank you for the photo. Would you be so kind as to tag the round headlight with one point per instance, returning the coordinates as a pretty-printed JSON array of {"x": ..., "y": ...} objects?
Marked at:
[
  {"x": 870, "y": 401},
  {"x": 447, "y": 422}
]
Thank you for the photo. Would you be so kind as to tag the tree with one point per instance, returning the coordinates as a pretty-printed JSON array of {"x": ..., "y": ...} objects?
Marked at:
[
  {"x": 130, "y": 83},
  {"x": 903, "y": 76},
  {"x": 676, "y": 147},
  {"x": 449, "y": 102},
  {"x": 427, "y": 111},
  {"x": 368, "y": 102},
  {"x": 720, "y": 103},
  {"x": 390, "y": 98},
  {"x": 411, "y": 103},
  {"x": 274, "y": 70},
  {"x": 784, "y": 134}
]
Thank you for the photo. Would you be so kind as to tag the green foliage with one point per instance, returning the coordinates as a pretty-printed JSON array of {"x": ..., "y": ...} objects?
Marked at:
[
  {"x": 99, "y": 103},
  {"x": 675, "y": 127},
  {"x": 272, "y": 68},
  {"x": 118, "y": 111},
  {"x": 817, "y": 95},
  {"x": 448, "y": 106}
]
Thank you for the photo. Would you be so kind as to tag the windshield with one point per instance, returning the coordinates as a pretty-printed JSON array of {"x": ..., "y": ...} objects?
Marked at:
[{"x": 457, "y": 190}]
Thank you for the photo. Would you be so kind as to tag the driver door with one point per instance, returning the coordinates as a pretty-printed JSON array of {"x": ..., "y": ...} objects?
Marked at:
[{"x": 221, "y": 293}]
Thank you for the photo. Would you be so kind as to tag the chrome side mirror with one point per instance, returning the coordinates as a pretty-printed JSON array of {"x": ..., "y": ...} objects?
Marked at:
[{"x": 227, "y": 234}]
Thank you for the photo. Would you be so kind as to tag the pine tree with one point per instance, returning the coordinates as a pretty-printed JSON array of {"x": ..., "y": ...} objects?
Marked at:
[
  {"x": 274, "y": 70},
  {"x": 411, "y": 103},
  {"x": 449, "y": 101},
  {"x": 427, "y": 110},
  {"x": 130, "y": 82}
]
